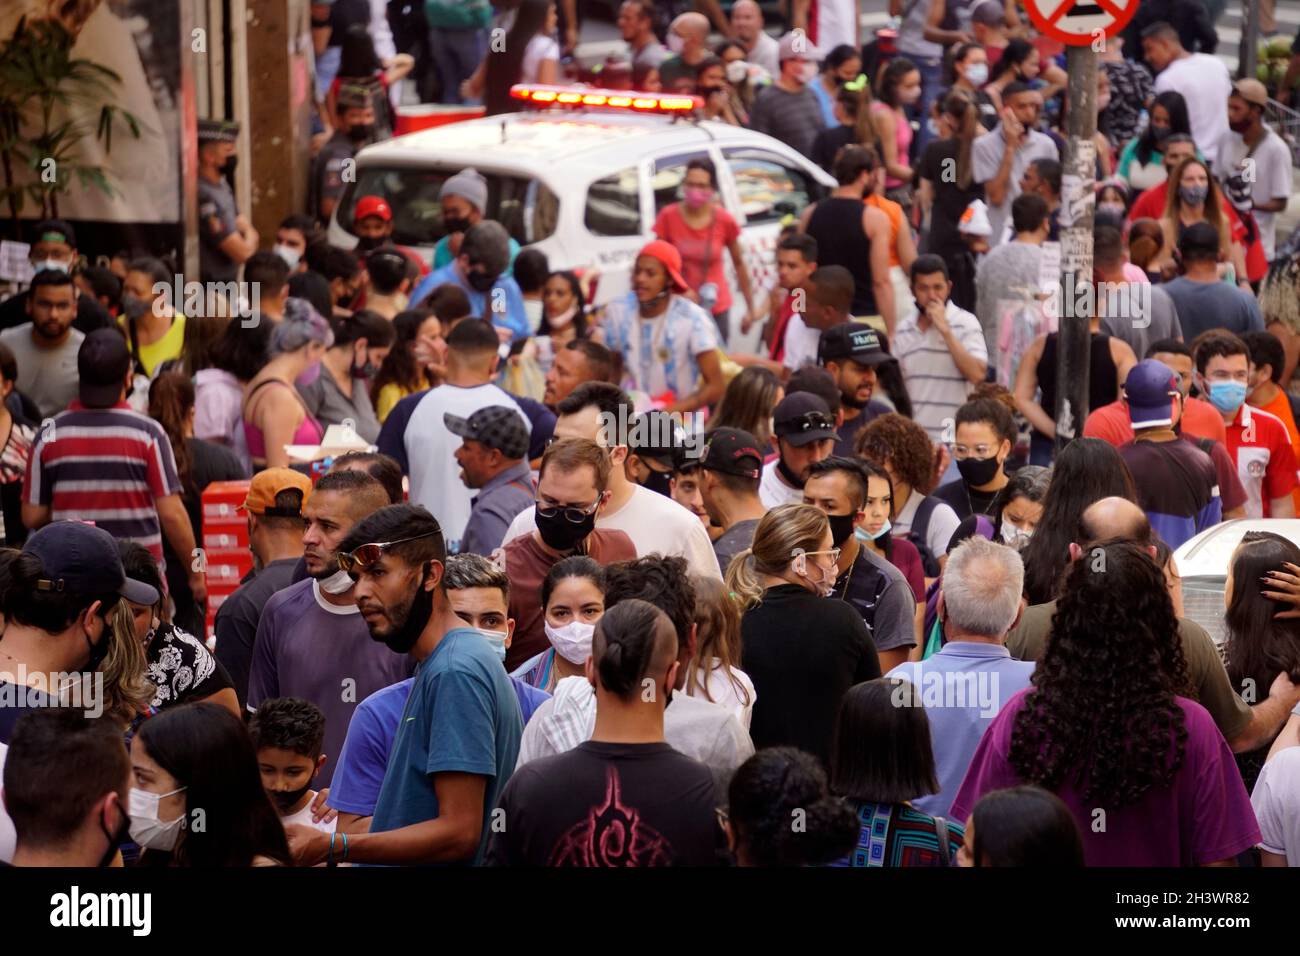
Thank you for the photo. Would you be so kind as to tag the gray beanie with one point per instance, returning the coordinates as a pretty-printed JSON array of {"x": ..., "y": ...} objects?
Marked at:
[{"x": 470, "y": 185}]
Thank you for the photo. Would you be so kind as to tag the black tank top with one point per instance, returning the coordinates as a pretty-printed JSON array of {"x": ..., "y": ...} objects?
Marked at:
[
  {"x": 1103, "y": 379},
  {"x": 836, "y": 224}
]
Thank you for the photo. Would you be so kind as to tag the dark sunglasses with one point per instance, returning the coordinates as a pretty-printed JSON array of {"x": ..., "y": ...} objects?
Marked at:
[
  {"x": 575, "y": 515},
  {"x": 365, "y": 556}
]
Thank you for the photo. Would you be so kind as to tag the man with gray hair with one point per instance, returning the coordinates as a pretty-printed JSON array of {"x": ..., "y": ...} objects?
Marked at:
[
  {"x": 973, "y": 676},
  {"x": 482, "y": 269}
]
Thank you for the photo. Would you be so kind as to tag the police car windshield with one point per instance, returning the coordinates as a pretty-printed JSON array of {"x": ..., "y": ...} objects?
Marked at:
[{"x": 526, "y": 207}]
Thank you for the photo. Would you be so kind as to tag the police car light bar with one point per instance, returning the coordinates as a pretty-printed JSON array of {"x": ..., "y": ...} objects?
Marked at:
[{"x": 634, "y": 100}]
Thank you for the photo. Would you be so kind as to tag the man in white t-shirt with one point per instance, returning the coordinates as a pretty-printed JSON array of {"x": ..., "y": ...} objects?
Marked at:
[
  {"x": 803, "y": 432},
  {"x": 598, "y": 411},
  {"x": 1000, "y": 157},
  {"x": 1254, "y": 163},
  {"x": 940, "y": 348},
  {"x": 288, "y": 734},
  {"x": 1201, "y": 79},
  {"x": 760, "y": 49},
  {"x": 828, "y": 23},
  {"x": 430, "y": 447}
]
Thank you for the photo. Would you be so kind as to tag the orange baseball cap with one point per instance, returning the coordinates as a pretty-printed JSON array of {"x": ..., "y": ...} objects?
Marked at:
[
  {"x": 265, "y": 485},
  {"x": 666, "y": 253}
]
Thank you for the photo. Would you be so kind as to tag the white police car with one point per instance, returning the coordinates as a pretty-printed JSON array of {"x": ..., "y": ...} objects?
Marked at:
[
  {"x": 583, "y": 182},
  {"x": 1203, "y": 565}
]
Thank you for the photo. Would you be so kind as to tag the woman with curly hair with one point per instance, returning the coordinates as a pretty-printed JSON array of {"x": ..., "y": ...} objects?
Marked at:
[
  {"x": 902, "y": 448},
  {"x": 1108, "y": 728},
  {"x": 1260, "y": 647}
]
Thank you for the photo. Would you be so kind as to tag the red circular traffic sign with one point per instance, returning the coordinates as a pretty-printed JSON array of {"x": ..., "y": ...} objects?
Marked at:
[{"x": 1078, "y": 22}]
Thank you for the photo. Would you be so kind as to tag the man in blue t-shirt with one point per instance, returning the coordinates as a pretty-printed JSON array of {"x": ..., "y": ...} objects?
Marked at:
[
  {"x": 481, "y": 270},
  {"x": 458, "y": 739}
]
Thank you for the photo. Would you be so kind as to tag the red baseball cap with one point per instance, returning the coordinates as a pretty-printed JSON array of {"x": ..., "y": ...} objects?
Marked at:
[
  {"x": 373, "y": 206},
  {"x": 666, "y": 253}
]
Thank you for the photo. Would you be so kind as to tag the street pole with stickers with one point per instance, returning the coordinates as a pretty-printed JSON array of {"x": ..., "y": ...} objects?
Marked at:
[{"x": 1084, "y": 27}]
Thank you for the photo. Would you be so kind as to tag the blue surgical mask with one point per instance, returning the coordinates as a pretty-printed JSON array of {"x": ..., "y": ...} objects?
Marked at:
[
  {"x": 497, "y": 640},
  {"x": 977, "y": 74},
  {"x": 1227, "y": 397},
  {"x": 863, "y": 535}
]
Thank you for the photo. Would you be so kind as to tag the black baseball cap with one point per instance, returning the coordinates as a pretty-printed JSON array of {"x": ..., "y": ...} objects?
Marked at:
[
  {"x": 853, "y": 340},
  {"x": 82, "y": 559},
  {"x": 732, "y": 451},
  {"x": 803, "y": 417},
  {"x": 102, "y": 363},
  {"x": 496, "y": 426}
]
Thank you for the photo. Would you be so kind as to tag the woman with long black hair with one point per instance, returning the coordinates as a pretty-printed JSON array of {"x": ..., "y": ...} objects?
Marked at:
[
  {"x": 1086, "y": 470},
  {"x": 193, "y": 765},
  {"x": 1141, "y": 162},
  {"x": 1021, "y": 826},
  {"x": 529, "y": 55},
  {"x": 1260, "y": 646},
  {"x": 948, "y": 187},
  {"x": 1108, "y": 726}
]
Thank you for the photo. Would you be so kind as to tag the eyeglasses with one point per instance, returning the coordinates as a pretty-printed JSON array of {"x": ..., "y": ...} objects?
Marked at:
[
  {"x": 807, "y": 422},
  {"x": 365, "y": 556},
  {"x": 833, "y": 552},
  {"x": 574, "y": 515},
  {"x": 979, "y": 451}
]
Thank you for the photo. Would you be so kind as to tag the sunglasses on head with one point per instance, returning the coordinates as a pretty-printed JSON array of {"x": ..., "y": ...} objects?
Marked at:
[
  {"x": 809, "y": 421},
  {"x": 368, "y": 554}
]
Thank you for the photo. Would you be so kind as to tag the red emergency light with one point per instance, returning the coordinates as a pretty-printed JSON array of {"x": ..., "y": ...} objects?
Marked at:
[{"x": 634, "y": 100}]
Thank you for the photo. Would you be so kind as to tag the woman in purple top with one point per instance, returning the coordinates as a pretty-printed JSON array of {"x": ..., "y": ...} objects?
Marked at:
[{"x": 1107, "y": 727}]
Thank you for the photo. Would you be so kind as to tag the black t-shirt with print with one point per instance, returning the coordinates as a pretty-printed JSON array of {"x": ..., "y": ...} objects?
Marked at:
[{"x": 609, "y": 805}]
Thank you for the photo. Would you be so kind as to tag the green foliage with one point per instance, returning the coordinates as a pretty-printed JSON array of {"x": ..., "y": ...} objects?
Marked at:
[{"x": 39, "y": 76}]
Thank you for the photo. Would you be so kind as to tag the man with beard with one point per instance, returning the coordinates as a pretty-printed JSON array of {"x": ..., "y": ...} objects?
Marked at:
[
  {"x": 1254, "y": 162},
  {"x": 582, "y": 360},
  {"x": 458, "y": 739},
  {"x": 851, "y": 352},
  {"x": 54, "y": 246},
  {"x": 46, "y": 346},
  {"x": 312, "y": 641},
  {"x": 803, "y": 432}
]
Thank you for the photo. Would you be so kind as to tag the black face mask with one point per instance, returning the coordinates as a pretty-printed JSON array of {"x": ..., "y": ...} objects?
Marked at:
[
  {"x": 657, "y": 481},
  {"x": 561, "y": 534},
  {"x": 114, "y": 839},
  {"x": 978, "y": 471},
  {"x": 455, "y": 224},
  {"x": 403, "y": 637},
  {"x": 841, "y": 528},
  {"x": 228, "y": 167},
  {"x": 366, "y": 243},
  {"x": 480, "y": 281},
  {"x": 345, "y": 301},
  {"x": 793, "y": 480},
  {"x": 97, "y": 651},
  {"x": 362, "y": 132},
  {"x": 285, "y": 799}
]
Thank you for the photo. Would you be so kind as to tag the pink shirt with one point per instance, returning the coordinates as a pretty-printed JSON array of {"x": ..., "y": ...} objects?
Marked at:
[{"x": 902, "y": 138}]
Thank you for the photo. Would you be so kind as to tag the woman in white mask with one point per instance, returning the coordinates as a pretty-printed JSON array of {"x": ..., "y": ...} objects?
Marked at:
[
  {"x": 564, "y": 318},
  {"x": 195, "y": 765},
  {"x": 801, "y": 650},
  {"x": 573, "y": 600}
]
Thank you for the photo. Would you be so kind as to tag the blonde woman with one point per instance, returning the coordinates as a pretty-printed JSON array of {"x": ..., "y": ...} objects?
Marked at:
[
  {"x": 801, "y": 650},
  {"x": 714, "y": 672}
]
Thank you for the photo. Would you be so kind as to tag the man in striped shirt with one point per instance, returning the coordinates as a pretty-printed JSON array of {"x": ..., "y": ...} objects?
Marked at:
[
  {"x": 939, "y": 347},
  {"x": 102, "y": 462}
]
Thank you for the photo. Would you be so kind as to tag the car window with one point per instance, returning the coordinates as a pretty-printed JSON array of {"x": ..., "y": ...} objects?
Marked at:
[
  {"x": 614, "y": 204},
  {"x": 666, "y": 181},
  {"x": 770, "y": 188},
  {"x": 526, "y": 208}
]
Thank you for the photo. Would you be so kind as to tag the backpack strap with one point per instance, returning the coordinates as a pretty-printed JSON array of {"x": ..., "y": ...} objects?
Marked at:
[{"x": 945, "y": 847}]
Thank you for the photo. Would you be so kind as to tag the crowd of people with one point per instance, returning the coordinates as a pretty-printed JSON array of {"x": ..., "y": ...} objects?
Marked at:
[{"x": 603, "y": 587}]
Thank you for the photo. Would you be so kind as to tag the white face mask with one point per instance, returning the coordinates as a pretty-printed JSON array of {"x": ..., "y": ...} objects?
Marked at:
[
  {"x": 564, "y": 318},
  {"x": 290, "y": 256},
  {"x": 497, "y": 639},
  {"x": 1016, "y": 537},
  {"x": 337, "y": 583},
  {"x": 977, "y": 74},
  {"x": 573, "y": 641},
  {"x": 146, "y": 829},
  {"x": 54, "y": 264},
  {"x": 675, "y": 43},
  {"x": 808, "y": 73},
  {"x": 737, "y": 70}
]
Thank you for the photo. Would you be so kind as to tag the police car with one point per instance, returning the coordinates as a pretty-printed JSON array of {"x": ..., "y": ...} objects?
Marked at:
[
  {"x": 1203, "y": 565},
  {"x": 584, "y": 179}
]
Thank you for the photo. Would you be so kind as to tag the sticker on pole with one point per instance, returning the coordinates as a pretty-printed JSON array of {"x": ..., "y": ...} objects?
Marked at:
[{"x": 1080, "y": 23}]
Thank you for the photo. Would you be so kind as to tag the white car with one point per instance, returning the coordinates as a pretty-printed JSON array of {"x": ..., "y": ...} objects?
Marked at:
[
  {"x": 584, "y": 186},
  {"x": 1203, "y": 564}
]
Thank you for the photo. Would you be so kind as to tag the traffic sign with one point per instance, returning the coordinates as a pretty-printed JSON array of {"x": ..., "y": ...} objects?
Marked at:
[{"x": 1080, "y": 22}]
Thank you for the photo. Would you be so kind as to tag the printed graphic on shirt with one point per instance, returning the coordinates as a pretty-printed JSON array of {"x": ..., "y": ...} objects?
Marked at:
[{"x": 613, "y": 835}]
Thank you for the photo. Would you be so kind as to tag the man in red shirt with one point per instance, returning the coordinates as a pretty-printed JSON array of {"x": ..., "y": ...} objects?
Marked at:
[
  {"x": 796, "y": 261},
  {"x": 1150, "y": 204},
  {"x": 1258, "y": 441}
]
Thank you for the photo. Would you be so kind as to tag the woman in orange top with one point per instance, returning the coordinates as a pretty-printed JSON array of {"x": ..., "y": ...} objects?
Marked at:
[{"x": 902, "y": 250}]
